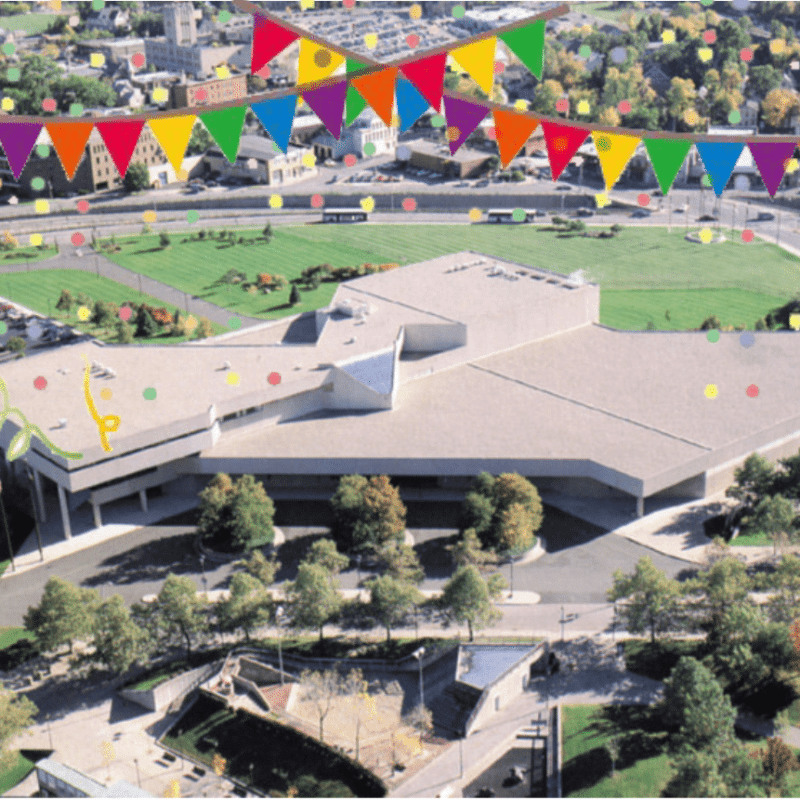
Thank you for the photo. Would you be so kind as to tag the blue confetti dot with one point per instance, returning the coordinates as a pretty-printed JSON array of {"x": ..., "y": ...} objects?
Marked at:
[{"x": 747, "y": 339}]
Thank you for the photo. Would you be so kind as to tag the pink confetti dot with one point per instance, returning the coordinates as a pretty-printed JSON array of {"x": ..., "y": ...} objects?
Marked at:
[
  {"x": 201, "y": 95},
  {"x": 412, "y": 40},
  {"x": 746, "y": 54},
  {"x": 491, "y": 133},
  {"x": 348, "y": 3},
  {"x": 83, "y": 206},
  {"x": 409, "y": 204},
  {"x": 562, "y": 106},
  {"x": 624, "y": 107},
  {"x": 752, "y": 390},
  {"x": 274, "y": 379},
  {"x": 499, "y": 67},
  {"x": 709, "y": 37},
  {"x": 40, "y": 383},
  {"x": 350, "y": 160},
  {"x": 265, "y": 72},
  {"x": 78, "y": 239},
  {"x": 747, "y": 235},
  {"x": 317, "y": 201},
  {"x": 643, "y": 199},
  {"x": 138, "y": 60},
  {"x": 49, "y": 104},
  {"x": 125, "y": 313}
]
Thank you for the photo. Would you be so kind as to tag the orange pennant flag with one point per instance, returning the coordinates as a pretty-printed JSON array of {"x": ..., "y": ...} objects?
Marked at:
[
  {"x": 512, "y": 130},
  {"x": 378, "y": 90},
  {"x": 69, "y": 140}
]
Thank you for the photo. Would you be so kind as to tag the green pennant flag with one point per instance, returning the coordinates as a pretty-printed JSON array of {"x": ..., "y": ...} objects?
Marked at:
[
  {"x": 225, "y": 125},
  {"x": 352, "y": 65},
  {"x": 527, "y": 44},
  {"x": 354, "y": 102},
  {"x": 666, "y": 156}
]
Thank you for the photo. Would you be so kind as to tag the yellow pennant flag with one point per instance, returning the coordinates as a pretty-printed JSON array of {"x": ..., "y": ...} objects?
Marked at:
[
  {"x": 316, "y": 62},
  {"x": 173, "y": 135},
  {"x": 614, "y": 151},
  {"x": 478, "y": 61}
]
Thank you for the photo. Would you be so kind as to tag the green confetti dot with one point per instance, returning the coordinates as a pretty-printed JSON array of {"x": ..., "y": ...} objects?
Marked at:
[
  {"x": 706, "y": 181},
  {"x": 3, "y": 328},
  {"x": 706, "y": 2},
  {"x": 518, "y": 215},
  {"x": 43, "y": 150},
  {"x": 149, "y": 393},
  {"x": 458, "y": 12},
  {"x": 234, "y": 323},
  {"x": 13, "y": 74},
  {"x": 734, "y": 117},
  {"x": 584, "y": 51},
  {"x": 76, "y": 109},
  {"x": 713, "y": 335},
  {"x": 193, "y": 216},
  {"x": 276, "y": 147},
  {"x": 8, "y": 48},
  {"x": 437, "y": 120},
  {"x": 98, "y": 5},
  {"x": 224, "y": 16},
  {"x": 369, "y": 149},
  {"x": 37, "y": 184}
]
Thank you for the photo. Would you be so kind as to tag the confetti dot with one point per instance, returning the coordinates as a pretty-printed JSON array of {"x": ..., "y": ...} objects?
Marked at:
[
  {"x": 74, "y": 21},
  {"x": 711, "y": 391},
  {"x": 747, "y": 339},
  {"x": 273, "y": 379},
  {"x": 76, "y": 109},
  {"x": 709, "y": 37},
  {"x": 49, "y": 104},
  {"x": 499, "y": 67},
  {"x": 752, "y": 390},
  {"x": 232, "y": 379},
  {"x": 8, "y": 48},
  {"x": 36, "y": 239},
  {"x": 84, "y": 313},
  {"x": 97, "y": 60},
  {"x": 149, "y": 393},
  {"x": 452, "y": 133},
  {"x": 160, "y": 95},
  {"x": 191, "y": 323},
  {"x": 192, "y": 216},
  {"x": 706, "y": 2},
  {"x": 705, "y": 54},
  {"x": 603, "y": 144},
  {"x": 458, "y": 12},
  {"x": 106, "y": 394},
  {"x": 691, "y": 117},
  {"x": 13, "y": 74},
  {"x": 734, "y": 117},
  {"x": 475, "y": 215},
  {"x": 322, "y": 58},
  {"x": 40, "y": 383},
  {"x": 234, "y": 323},
  {"x": 415, "y": 12},
  {"x": 182, "y": 175},
  {"x": 777, "y": 46},
  {"x": 792, "y": 165},
  {"x": 618, "y": 55},
  {"x": 98, "y": 5},
  {"x": 491, "y": 134},
  {"x": 149, "y": 216},
  {"x": 746, "y": 54},
  {"x": 265, "y": 72},
  {"x": 560, "y": 143},
  {"x": 317, "y": 201},
  {"x": 583, "y": 107},
  {"x": 643, "y": 199},
  {"x": 668, "y": 37},
  {"x": 42, "y": 150},
  {"x": 7, "y": 104},
  {"x": 224, "y": 16},
  {"x": 747, "y": 235},
  {"x": 371, "y": 40},
  {"x": 78, "y": 239},
  {"x": 369, "y": 149},
  {"x": 562, "y": 106},
  {"x": 37, "y": 184},
  {"x": 601, "y": 200},
  {"x": 518, "y": 215},
  {"x": 706, "y": 235},
  {"x": 584, "y": 51},
  {"x": 706, "y": 181},
  {"x": 412, "y": 40},
  {"x": 3, "y": 328},
  {"x": 368, "y": 204},
  {"x": 713, "y": 335},
  {"x": 794, "y": 321},
  {"x": 624, "y": 107},
  {"x": 437, "y": 120},
  {"x": 348, "y": 3},
  {"x": 741, "y": 5},
  {"x": 42, "y": 207},
  {"x": 309, "y": 161},
  {"x": 201, "y": 95},
  {"x": 275, "y": 201},
  {"x": 125, "y": 313},
  {"x": 276, "y": 148},
  {"x": 409, "y": 204},
  {"x": 350, "y": 160},
  {"x": 521, "y": 105}
]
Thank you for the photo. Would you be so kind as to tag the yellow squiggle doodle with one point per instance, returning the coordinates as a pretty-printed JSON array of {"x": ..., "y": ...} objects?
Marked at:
[
  {"x": 105, "y": 425},
  {"x": 22, "y": 439}
]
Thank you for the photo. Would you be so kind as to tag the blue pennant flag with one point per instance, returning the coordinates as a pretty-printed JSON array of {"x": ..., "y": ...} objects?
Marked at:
[
  {"x": 411, "y": 105},
  {"x": 277, "y": 117},
  {"x": 719, "y": 159}
]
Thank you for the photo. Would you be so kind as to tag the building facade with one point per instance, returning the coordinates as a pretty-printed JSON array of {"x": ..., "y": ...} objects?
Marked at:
[
  {"x": 367, "y": 129},
  {"x": 195, "y": 93},
  {"x": 258, "y": 161},
  {"x": 425, "y": 154}
]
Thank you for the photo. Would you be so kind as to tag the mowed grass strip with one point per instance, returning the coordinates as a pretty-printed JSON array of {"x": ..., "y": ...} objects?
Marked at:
[
  {"x": 17, "y": 772},
  {"x": 32, "y": 24},
  {"x": 10, "y": 636},
  {"x": 639, "y": 258},
  {"x": 26, "y": 255}
]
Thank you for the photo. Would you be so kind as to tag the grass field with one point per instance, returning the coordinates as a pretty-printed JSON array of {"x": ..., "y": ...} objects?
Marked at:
[
  {"x": 661, "y": 265},
  {"x": 40, "y": 291},
  {"x": 26, "y": 255},
  {"x": 32, "y": 24},
  {"x": 16, "y": 773},
  {"x": 10, "y": 636}
]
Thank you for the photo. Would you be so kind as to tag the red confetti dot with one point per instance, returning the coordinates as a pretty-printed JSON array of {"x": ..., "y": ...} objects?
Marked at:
[
  {"x": 40, "y": 383},
  {"x": 412, "y": 40},
  {"x": 317, "y": 201},
  {"x": 138, "y": 60},
  {"x": 49, "y": 104},
  {"x": 350, "y": 160},
  {"x": 644, "y": 199},
  {"x": 747, "y": 235},
  {"x": 562, "y": 106},
  {"x": 274, "y": 379},
  {"x": 499, "y": 67},
  {"x": 746, "y": 54},
  {"x": 78, "y": 239},
  {"x": 709, "y": 37},
  {"x": 83, "y": 206},
  {"x": 348, "y": 3},
  {"x": 201, "y": 95},
  {"x": 624, "y": 107},
  {"x": 752, "y": 390},
  {"x": 560, "y": 143},
  {"x": 409, "y": 204},
  {"x": 125, "y": 313}
]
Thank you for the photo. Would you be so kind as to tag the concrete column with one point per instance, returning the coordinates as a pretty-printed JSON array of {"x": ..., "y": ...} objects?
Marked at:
[
  {"x": 640, "y": 506},
  {"x": 143, "y": 499},
  {"x": 37, "y": 485},
  {"x": 62, "y": 501},
  {"x": 98, "y": 519}
]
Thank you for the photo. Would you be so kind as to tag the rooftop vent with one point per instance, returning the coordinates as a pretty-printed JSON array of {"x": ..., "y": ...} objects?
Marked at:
[{"x": 62, "y": 423}]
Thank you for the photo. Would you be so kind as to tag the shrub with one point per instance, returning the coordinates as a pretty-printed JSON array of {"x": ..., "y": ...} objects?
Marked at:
[
  {"x": 124, "y": 332},
  {"x": 294, "y": 296},
  {"x": 65, "y": 301},
  {"x": 517, "y": 176},
  {"x": 16, "y": 344},
  {"x": 164, "y": 240},
  {"x": 10, "y": 242},
  {"x": 105, "y": 313},
  {"x": 204, "y": 329},
  {"x": 387, "y": 267},
  {"x": 146, "y": 326},
  {"x": 616, "y": 228}
]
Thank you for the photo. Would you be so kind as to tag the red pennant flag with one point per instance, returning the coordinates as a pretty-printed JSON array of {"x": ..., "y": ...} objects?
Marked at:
[
  {"x": 378, "y": 90},
  {"x": 69, "y": 140},
  {"x": 427, "y": 75},
  {"x": 269, "y": 39},
  {"x": 121, "y": 138},
  {"x": 512, "y": 130},
  {"x": 562, "y": 143}
]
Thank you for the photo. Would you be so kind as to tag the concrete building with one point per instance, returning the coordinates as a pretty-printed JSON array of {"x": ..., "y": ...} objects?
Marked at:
[
  {"x": 115, "y": 50},
  {"x": 108, "y": 18},
  {"x": 425, "y": 154},
  {"x": 430, "y": 373},
  {"x": 260, "y": 162},
  {"x": 368, "y": 128},
  {"x": 59, "y": 780},
  {"x": 218, "y": 90}
]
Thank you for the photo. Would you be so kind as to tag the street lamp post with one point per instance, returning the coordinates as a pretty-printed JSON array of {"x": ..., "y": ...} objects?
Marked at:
[
  {"x": 35, "y": 514},
  {"x": 138, "y": 777},
  {"x": 358, "y": 569},
  {"x": 278, "y": 618},
  {"x": 203, "y": 578},
  {"x": 614, "y": 624},
  {"x": 511, "y": 592},
  {"x": 418, "y": 655},
  {"x": 5, "y": 528},
  {"x": 563, "y": 621}
]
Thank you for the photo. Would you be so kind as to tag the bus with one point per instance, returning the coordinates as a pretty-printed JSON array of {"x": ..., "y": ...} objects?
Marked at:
[
  {"x": 505, "y": 215},
  {"x": 345, "y": 215}
]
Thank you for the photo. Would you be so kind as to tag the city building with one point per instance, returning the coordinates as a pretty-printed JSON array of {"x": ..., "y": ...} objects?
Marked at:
[
  {"x": 116, "y": 51},
  {"x": 189, "y": 94},
  {"x": 367, "y": 129},
  {"x": 108, "y": 18},
  {"x": 425, "y": 154},
  {"x": 59, "y": 780},
  {"x": 258, "y": 161}
]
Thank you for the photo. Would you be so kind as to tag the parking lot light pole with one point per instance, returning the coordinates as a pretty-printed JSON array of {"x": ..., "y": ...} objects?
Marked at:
[
  {"x": 418, "y": 655},
  {"x": 563, "y": 621},
  {"x": 278, "y": 618}
]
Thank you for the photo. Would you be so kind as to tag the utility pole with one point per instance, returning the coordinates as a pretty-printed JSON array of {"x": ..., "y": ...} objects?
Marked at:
[
  {"x": 35, "y": 514},
  {"x": 8, "y": 534}
]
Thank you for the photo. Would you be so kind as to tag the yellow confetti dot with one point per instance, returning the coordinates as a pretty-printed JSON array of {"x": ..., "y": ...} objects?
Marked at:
[
  {"x": 792, "y": 166},
  {"x": 794, "y": 322},
  {"x": 705, "y": 53},
  {"x": 706, "y": 235},
  {"x": 601, "y": 200},
  {"x": 586, "y": 30},
  {"x": 55, "y": 5},
  {"x": 97, "y": 60},
  {"x": 371, "y": 40},
  {"x": 160, "y": 95},
  {"x": 475, "y": 215},
  {"x": 415, "y": 12},
  {"x": 668, "y": 37},
  {"x": 368, "y": 203},
  {"x": 300, "y": 102},
  {"x": 691, "y": 117},
  {"x": 777, "y": 46},
  {"x": 232, "y": 379},
  {"x": 521, "y": 105},
  {"x": 309, "y": 160},
  {"x": 8, "y": 104},
  {"x": 149, "y": 216},
  {"x": 223, "y": 72},
  {"x": 36, "y": 239},
  {"x": 191, "y": 323},
  {"x": 711, "y": 391},
  {"x": 583, "y": 107},
  {"x": 42, "y": 207},
  {"x": 83, "y": 313},
  {"x": 306, "y": 4},
  {"x": 106, "y": 394},
  {"x": 182, "y": 175},
  {"x": 396, "y": 120},
  {"x": 276, "y": 201}
]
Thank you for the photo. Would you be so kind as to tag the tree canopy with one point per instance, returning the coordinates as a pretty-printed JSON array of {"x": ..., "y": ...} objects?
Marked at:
[
  {"x": 179, "y": 613},
  {"x": 391, "y": 601},
  {"x": 469, "y": 598},
  {"x": 64, "y": 614},
  {"x": 313, "y": 598},
  {"x": 16, "y": 714}
]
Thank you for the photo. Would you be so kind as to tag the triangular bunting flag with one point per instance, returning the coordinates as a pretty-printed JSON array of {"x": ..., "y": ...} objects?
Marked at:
[
  {"x": 351, "y": 65},
  {"x": 173, "y": 135},
  {"x": 277, "y": 116},
  {"x": 527, "y": 44},
  {"x": 477, "y": 59},
  {"x": 69, "y": 141},
  {"x": 719, "y": 159},
  {"x": 771, "y": 158},
  {"x": 120, "y": 138},
  {"x": 411, "y": 105},
  {"x": 427, "y": 75},
  {"x": 225, "y": 125},
  {"x": 614, "y": 150},
  {"x": 512, "y": 130},
  {"x": 269, "y": 39},
  {"x": 327, "y": 103},
  {"x": 18, "y": 139},
  {"x": 378, "y": 90},
  {"x": 354, "y": 104},
  {"x": 562, "y": 142},
  {"x": 666, "y": 156},
  {"x": 316, "y": 63},
  {"x": 464, "y": 116}
]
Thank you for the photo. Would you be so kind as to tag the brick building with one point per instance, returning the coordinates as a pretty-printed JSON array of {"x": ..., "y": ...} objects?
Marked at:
[{"x": 185, "y": 95}]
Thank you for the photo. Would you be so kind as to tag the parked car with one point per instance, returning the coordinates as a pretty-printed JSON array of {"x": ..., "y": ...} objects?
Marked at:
[
  {"x": 641, "y": 212},
  {"x": 584, "y": 212},
  {"x": 334, "y": 179},
  {"x": 707, "y": 218},
  {"x": 763, "y": 216},
  {"x": 564, "y": 187}
]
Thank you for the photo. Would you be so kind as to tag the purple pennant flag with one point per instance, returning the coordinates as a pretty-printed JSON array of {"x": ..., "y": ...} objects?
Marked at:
[
  {"x": 18, "y": 139},
  {"x": 327, "y": 103},
  {"x": 462, "y": 115},
  {"x": 770, "y": 158}
]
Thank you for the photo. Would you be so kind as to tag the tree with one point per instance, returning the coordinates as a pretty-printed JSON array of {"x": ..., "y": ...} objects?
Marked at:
[
  {"x": 260, "y": 567},
  {"x": 736, "y": 634},
  {"x": 118, "y": 641},
  {"x": 367, "y": 513},
  {"x": 547, "y": 93},
  {"x": 391, "y": 601},
  {"x": 137, "y": 178},
  {"x": 313, "y": 598},
  {"x": 679, "y": 98},
  {"x": 248, "y": 606},
  {"x": 763, "y": 79},
  {"x": 105, "y": 313},
  {"x": 65, "y": 301},
  {"x": 199, "y": 141},
  {"x": 146, "y": 326},
  {"x": 784, "y": 605},
  {"x": 204, "y": 329},
  {"x": 65, "y": 613},
  {"x": 38, "y": 80},
  {"x": 322, "y": 687},
  {"x": 724, "y": 584},
  {"x": 754, "y": 480},
  {"x": 163, "y": 240},
  {"x": 772, "y": 516},
  {"x": 779, "y": 106},
  {"x": 16, "y": 714},
  {"x": 468, "y": 550},
  {"x": 778, "y": 761},
  {"x": 294, "y": 296},
  {"x": 16, "y": 344},
  {"x": 726, "y": 771},
  {"x": 514, "y": 534},
  {"x": 468, "y": 598},
  {"x": 267, "y": 234},
  {"x": 400, "y": 561},
  {"x": 125, "y": 332},
  {"x": 178, "y": 612},
  {"x": 324, "y": 553}
]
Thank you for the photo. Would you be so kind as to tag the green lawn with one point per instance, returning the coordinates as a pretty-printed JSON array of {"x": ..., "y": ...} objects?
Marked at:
[
  {"x": 638, "y": 259},
  {"x": 10, "y": 636},
  {"x": 32, "y": 24},
  {"x": 16, "y": 773},
  {"x": 607, "y": 12},
  {"x": 40, "y": 291},
  {"x": 755, "y": 539},
  {"x": 26, "y": 255}
]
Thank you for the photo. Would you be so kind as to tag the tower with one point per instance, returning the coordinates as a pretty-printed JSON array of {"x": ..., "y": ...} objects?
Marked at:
[{"x": 179, "y": 24}]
